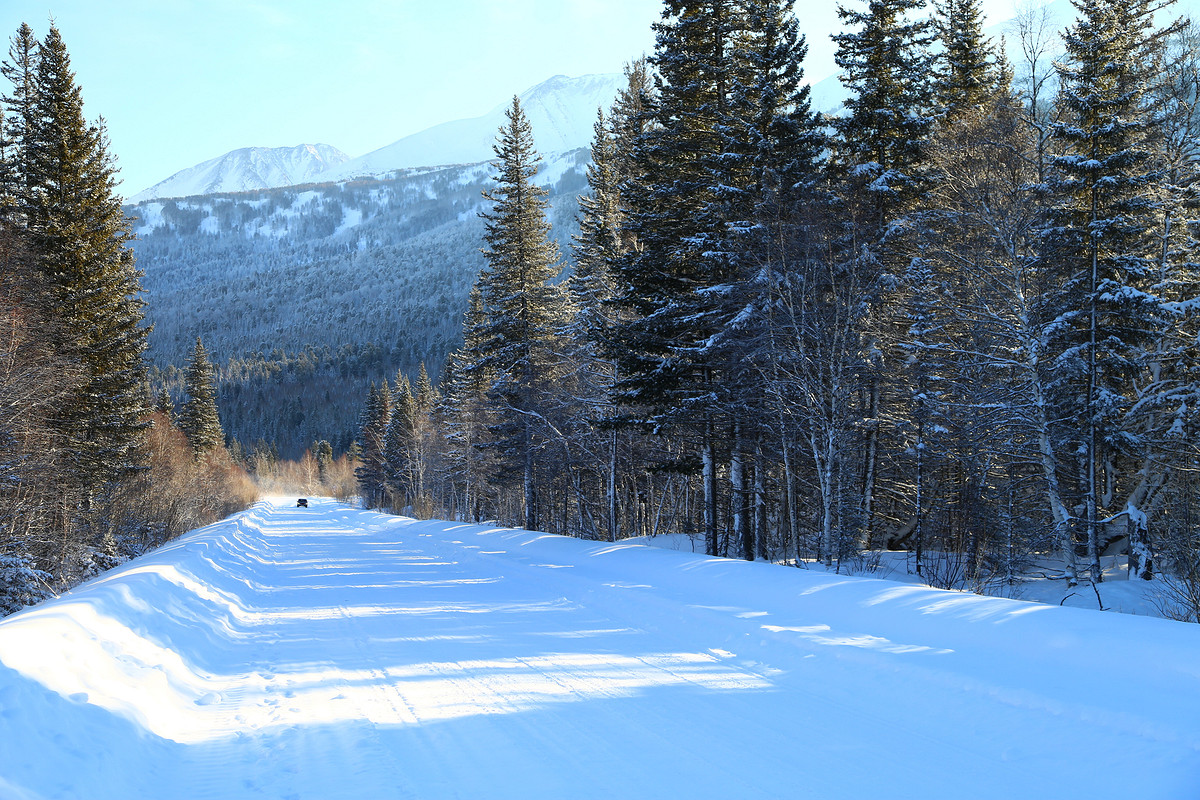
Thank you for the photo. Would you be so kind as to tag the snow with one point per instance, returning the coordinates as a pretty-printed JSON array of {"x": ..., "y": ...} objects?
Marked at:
[
  {"x": 247, "y": 169},
  {"x": 331, "y": 652},
  {"x": 149, "y": 217},
  {"x": 351, "y": 218},
  {"x": 561, "y": 111}
]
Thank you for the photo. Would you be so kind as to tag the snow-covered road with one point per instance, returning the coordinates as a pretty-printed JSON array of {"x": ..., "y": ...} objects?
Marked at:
[{"x": 334, "y": 653}]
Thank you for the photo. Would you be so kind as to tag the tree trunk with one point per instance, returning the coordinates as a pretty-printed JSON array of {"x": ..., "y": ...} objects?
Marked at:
[
  {"x": 760, "y": 504},
  {"x": 793, "y": 527},
  {"x": 737, "y": 482},
  {"x": 871, "y": 461},
  {"x": 612, "y": 488},
  {"x": 710, "y": 490},
  {"x": 823, "y": 453},
  {"x": 1063, "y": 533},
  {"x": 530, "y": 496}
]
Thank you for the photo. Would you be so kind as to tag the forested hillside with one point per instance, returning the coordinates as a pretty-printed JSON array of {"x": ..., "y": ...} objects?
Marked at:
[{"x": 306, "y": 294}]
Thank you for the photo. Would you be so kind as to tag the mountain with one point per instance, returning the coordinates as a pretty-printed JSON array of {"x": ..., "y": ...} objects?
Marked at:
[
  {"x": 560, "y": 110},
  {"x": 310, "y": 275},
  {"x": 305, "y": 294},
  {"x": 247, "y": 169}
]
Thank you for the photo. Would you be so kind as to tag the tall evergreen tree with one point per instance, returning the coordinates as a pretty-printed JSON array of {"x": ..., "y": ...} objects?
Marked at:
[
  {"x": 198, "y": 419},
  {"x": 879, "y": 160},
  {"x": 770, "y": 129},
  {"x": 1099, "y": 259},
  {"x": 524, "y": 310},
  {"x": 599, "y": 241},
  {"x": 164, "y": 405},
  {"x": 397, "y": 444},
  {"x": 888, "y": 68},
  {"x": 672, "y": 278},
  {"x": 17, "y": 121},
  {"x": 966, "y": 70},
  {"x": 466, "y": 416},
  {"x": 604, "y": 238},
  {"x": 322, "y": 451},
  {"x": 80, "y": 236},
  {"x": 372, "y": 469}
]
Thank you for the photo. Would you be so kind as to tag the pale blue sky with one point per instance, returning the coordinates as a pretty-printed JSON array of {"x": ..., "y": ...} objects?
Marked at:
[{"x": 183, "y": 81}]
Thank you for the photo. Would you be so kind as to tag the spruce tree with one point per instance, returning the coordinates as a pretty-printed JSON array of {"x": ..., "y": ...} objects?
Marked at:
[
  {"x": 966, "y": 70},
  {"x": 525, "y": 311},
  {"x": 879, "y": 162},
  {"x": 1099, "y": 257},
  {"x": 397, "y": 444},
  {"x": 466, "y": 415},
  {"x": 598, "y": 243},
  {"x": 323, "y": 452},
  {"x": 17, "y": 122},
  {"x": 372, "y": 469},
  {"x": 80, "y": 236},
  {"x": 671, "y": 279},
  {"x": 198, "y": 419},
  {"x": 604, "y": 238},
  {"x": 770, "y": 129},
  {"x": 164, "y": 405},
  {"x": 888, "y": 68}
]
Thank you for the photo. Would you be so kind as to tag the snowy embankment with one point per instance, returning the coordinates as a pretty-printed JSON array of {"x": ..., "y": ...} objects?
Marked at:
[{"x": 329, "y": 652}]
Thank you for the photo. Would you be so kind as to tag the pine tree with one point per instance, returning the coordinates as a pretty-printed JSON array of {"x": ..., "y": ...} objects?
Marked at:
[
  {"x": 966, "y": 71},
  {"x": 165, "y": 405},
  {"x": 879, "y": 162},
  {"x": 888, "y": 68},
  {"x": 397, "y": 444},
  {"x": 670, "y": 281},
  {"x": 1099, "y": 253},
  {"x": 17, "y": 121},
  {"x": 323, "y": 452},
  {"x": 372, "y": 469},
  {"x": 604, "y": 238},
  {"x": 772, "y": 147},
  {"x": 80, "y": 236},
  {"x": 915, "y": 413},
  {"x": 198, "y": 419},
  {"x": 466, "y": 416},
  {"x": 598, "y": 243},
  {"x": 425, "y": 393},
  {"x": 524, "y": 309}
]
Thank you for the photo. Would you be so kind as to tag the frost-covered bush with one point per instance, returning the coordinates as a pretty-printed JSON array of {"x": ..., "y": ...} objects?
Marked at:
[{"x": 21, "y": 584}]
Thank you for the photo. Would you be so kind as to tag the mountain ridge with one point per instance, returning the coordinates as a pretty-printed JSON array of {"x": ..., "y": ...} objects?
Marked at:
[
  {"x": 560, "y": 109},
  {"x": 245, "y": 169}
]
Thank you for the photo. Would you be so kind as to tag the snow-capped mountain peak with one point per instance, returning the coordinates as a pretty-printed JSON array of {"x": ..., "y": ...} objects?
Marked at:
[
  {"x": 561, "y": 111},
  {"x": 246, "y": 169}
]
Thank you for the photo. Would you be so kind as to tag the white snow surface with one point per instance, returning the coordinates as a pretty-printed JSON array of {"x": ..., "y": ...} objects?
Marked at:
[
  {"x": 561, "y": 111},
  {"x": 248, "y": 169},
  {"x": 331, "y": 652}
]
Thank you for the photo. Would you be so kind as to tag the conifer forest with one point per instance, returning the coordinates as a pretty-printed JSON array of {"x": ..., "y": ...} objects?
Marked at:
[
  {"x": 957, "y": 320},
  {"x": 960, "y": 319}
]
